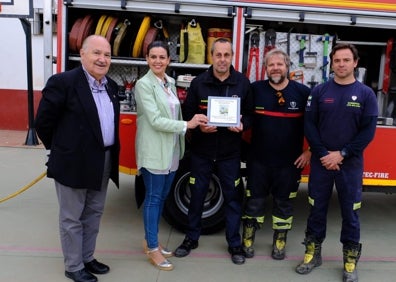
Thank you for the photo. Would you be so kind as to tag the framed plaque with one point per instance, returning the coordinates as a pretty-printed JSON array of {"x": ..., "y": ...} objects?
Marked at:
[{"x": 224, "y": 111}]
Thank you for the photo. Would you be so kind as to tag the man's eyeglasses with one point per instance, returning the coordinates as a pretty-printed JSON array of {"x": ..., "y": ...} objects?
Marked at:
[{"x": 281, "y": 100}]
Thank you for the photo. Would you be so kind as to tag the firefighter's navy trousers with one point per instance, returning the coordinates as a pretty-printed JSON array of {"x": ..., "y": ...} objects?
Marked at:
[
  {"x": 348, "y": 183},
  {"x": 280, "y": 181},
  {"x": 228, "y": 172}
]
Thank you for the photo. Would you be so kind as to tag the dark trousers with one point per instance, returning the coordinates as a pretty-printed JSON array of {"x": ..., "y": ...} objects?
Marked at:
[
  {"x": 348, "y": 183},
  {"x": 228, "y": 172},
  {"x": 281, "y": 182}
]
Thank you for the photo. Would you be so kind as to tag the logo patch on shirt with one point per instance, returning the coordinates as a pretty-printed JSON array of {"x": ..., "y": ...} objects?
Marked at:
[
  {"x": 293, "y": 105},
  {"x": 329, "y": 101},
  {"x": 309, "y": 101},
  {"x": 352, "y": 103}
]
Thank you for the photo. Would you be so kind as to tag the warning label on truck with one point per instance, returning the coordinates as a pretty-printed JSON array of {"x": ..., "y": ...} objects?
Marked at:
[{"x": 376, "y": 174}]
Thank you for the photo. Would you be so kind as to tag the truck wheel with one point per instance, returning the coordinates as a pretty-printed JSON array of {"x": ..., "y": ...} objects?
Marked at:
[{"x": 176, "y": 206}]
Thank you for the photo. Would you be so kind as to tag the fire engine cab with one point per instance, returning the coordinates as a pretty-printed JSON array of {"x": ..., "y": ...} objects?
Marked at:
[{"x": 305, "y": 29}]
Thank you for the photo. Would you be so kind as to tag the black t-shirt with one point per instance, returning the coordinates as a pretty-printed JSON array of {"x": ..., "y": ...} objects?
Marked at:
[{"x": 278, "y": 130}]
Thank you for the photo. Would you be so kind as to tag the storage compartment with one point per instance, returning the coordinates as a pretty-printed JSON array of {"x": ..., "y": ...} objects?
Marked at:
[{"x": 129, "y": 33}]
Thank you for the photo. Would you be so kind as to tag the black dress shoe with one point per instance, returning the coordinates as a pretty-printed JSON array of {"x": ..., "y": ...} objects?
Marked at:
[
  {"x": 81, "y": 276},
  {"x": 237, "y": 255},
  {"x": 96, "y": 267},
  {"x": 185, "y": 248}
]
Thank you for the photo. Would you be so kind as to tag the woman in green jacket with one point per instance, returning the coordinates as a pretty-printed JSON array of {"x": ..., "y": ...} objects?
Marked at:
[{"x": 159, "y": 143}]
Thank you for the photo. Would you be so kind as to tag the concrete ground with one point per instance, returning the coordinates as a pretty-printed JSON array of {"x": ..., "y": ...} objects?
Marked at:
[{"x": 30, "y": 248}]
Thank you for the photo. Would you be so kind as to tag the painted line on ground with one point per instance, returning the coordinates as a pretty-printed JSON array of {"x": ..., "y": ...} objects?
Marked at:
[{"x": 35, "y": 250}]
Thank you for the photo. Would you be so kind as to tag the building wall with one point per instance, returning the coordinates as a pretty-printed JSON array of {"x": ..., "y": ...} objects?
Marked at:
[{"x": 13, "y": 73}]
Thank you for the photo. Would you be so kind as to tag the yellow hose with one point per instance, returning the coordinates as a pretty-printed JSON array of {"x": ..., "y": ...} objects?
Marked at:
[{"x": 41, "y": 176}]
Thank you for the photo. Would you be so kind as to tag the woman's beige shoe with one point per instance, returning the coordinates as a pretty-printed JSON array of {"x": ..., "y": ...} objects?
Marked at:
[
  {"x": 164, "y": 251},
  {"x": 158, "y": 260}
]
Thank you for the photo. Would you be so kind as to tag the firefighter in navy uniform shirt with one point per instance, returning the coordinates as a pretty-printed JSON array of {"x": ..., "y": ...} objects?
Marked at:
[
  {"x": 340, "y": 121},
  {"x": 217, "y": 148},
  {"x": 276, "y": 155}
]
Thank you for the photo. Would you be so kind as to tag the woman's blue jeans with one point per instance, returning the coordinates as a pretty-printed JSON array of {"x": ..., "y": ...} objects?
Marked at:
[{"x": 157, "y": 189}]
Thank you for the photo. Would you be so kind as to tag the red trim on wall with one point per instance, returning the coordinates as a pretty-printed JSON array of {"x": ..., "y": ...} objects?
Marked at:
[{"x": 14, "y": 108}]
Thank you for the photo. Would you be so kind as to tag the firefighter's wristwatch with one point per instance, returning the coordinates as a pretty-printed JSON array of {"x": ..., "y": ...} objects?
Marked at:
[{"x": 343, "y": 153}]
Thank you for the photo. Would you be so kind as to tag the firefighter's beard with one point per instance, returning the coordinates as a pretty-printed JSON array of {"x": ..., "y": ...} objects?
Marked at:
[{"x": 277, "y": 79}]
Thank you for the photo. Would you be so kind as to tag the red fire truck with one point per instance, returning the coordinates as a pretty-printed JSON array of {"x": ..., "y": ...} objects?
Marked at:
[{"x": 306, "y": 29}]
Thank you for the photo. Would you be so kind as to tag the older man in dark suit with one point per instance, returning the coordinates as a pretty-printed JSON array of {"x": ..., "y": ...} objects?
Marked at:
[{"x": 77, "y": 120}]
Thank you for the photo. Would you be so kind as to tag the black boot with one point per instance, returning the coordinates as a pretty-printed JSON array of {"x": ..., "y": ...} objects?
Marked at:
[
  {"x": 351, "y": 252},
  {"x": 248, "y": 236},
  {"x": 312, "y": 258},
  {"x": 279, "y": 244}
]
